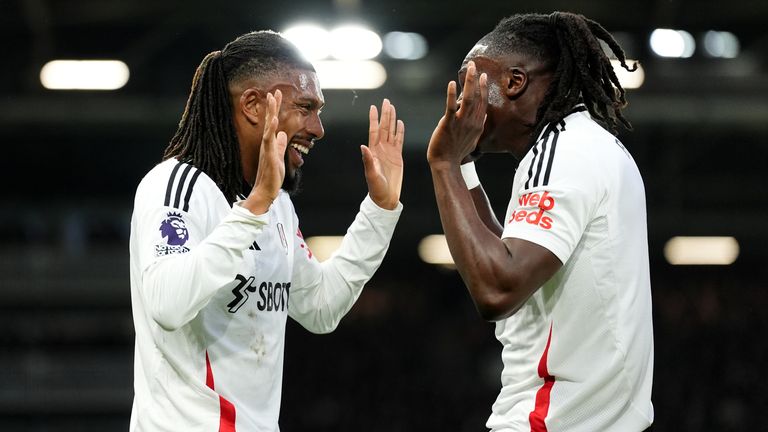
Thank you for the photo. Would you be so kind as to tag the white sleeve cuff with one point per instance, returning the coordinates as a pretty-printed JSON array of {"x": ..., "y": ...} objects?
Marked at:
[
  {"x": 368, "y": 206},
  {"x": 470, "y": 175}
]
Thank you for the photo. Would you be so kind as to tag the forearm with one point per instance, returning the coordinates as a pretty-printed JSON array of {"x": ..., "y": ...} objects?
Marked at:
[
  {"x": 480, "y": 256},
  {"x": 176, "y": 288},
  {"x": 321, "y": 303},
  {"x": 484, "y": 210},
  {"x": 479, "y": 198}
]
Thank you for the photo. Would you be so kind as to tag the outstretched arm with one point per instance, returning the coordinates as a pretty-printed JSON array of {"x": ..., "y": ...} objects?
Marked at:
[
  {"x": 322, "y": 294},
  {"x": 500, "y": 274}
]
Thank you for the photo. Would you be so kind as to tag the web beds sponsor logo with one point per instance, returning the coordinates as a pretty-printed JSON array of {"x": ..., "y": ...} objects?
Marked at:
[{"x": 535, "y": 206}]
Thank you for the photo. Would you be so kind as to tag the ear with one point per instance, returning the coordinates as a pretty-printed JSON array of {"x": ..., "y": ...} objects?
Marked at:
[
  {"x": 252, "y": 105},
  {"x": 517, "y": 81}
]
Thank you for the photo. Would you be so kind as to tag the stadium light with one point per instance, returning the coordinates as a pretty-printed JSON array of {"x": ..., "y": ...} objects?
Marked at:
[
  {"x": 353, "y": 42},
  {"x": 433, "y": 249},
  {"x": 348, "y": 42},
  {"x": 405, "y": 45},
  {"x": 672, "y": 43},
  {"x": 721, "y": 44},
  {"x": 353, "y": 46},
  {"x": 350, "y": 74},
  {"x": 84, "y": 75},
  {"x": 629, "y": 80},
  {"x": 313, "y": 41},
  {"x": 701, "y": 250},
  {"x": 323, "y": 247}
]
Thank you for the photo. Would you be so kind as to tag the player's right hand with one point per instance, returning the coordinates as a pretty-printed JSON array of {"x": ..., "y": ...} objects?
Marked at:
[{"x": 271, "y": 171}]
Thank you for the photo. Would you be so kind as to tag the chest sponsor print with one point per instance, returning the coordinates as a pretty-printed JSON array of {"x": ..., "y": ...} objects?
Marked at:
[{"x": 271, "y": 296}]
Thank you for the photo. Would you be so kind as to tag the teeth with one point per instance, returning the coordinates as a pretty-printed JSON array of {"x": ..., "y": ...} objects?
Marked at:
[{"x": 300, "y": 148}]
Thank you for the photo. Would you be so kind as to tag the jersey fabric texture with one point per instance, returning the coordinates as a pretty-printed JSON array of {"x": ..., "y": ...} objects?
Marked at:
[
  {"x": 212, "y": 286},
  {"x": 578, "y": 355}
]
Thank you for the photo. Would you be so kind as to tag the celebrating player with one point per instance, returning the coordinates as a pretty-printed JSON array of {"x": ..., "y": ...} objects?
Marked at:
[
  {"x": 218, "y": 262},
  {"x": 566, "y": 276}
]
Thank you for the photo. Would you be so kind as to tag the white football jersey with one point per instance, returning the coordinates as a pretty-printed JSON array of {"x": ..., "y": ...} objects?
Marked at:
[
  {"x": 578, "y": 355},
  {"x": 212, "y": 286}
]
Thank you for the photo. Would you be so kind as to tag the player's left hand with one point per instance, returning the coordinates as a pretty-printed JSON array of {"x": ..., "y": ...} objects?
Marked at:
[
  {"x": 456, "y": 135},
  {"x": 383, "y": 156}
]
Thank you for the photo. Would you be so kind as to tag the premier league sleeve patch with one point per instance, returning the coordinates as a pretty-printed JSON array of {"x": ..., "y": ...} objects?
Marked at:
[{"x": 174, "y": 233}]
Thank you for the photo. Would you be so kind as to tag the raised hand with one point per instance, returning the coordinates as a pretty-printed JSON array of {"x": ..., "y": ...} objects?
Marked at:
[
  {"x": 383, "y": 157},
  {"x": 271, "y": 171},
  {"x": 457, "y": 132}
]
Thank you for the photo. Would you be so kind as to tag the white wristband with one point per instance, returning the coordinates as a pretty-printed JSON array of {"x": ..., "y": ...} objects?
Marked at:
[{"x": 470, "y": 175}]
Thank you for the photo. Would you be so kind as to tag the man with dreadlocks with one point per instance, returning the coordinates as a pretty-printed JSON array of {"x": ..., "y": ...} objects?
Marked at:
[
  {"x": 566, "y": 276},
  {"x": 218, "y": 262}
]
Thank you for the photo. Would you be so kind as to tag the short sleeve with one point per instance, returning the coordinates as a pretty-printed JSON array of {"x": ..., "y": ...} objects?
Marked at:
[{"x": 554, "y": 213}]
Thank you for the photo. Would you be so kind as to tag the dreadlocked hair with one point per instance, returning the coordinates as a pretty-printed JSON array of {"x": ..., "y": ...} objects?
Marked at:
[
  {"x": 206, "y": 136},
  {"x": 567, "y": 44}
]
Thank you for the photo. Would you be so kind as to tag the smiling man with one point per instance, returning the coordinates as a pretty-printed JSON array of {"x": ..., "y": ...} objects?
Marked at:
[{"x": 218, "y": 262}]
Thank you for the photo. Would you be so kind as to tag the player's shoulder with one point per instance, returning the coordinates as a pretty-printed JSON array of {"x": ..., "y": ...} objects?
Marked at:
[
  {"x": 583, "y": 131},
  {"x": 580, "y": 141},
  {"x": 566, "y": 150},
  {"x": 177, "y": 185}
]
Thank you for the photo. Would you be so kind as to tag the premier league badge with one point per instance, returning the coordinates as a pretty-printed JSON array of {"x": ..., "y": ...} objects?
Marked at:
[{"x": 174, "y": 230}]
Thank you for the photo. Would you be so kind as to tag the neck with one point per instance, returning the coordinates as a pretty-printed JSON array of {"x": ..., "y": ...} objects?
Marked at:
[
  {"x": 246, "y": 159},
  {"x": 520, "y": 141},
  {"x": 249, "y": 156},
  {"x": 519, "y": 149}
]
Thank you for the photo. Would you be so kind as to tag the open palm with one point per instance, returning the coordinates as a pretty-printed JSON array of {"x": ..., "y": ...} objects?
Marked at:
[{"x": 383, "y": 156}]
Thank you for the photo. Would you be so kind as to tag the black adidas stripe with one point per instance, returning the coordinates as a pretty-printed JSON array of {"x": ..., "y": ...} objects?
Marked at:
[
  {"x": 188, "y": 196},
  {"x": 167, "y": 202},
  {"x": 552, "y": 130},
  {"x": 538, "y": 164},
  {"x": 179, "y": 188},
  {"x": 180, "y": 184},
  {"x": 530, "y": 169},
  {"x": 551, "y": 158},
  {"x": 541, "y": 162}
]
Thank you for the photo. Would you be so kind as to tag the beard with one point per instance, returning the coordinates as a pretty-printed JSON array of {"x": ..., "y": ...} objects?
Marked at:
[{"x": 291, "y": 181}]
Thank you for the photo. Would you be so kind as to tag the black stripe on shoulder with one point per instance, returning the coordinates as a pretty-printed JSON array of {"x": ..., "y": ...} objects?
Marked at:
[
  {"x": 169, "y": 188},
  {"x": 530, "y": 168},
  {"x": 180, "y": 187},
  {"x": 188, "y": 196},
  {"x": 541, "y": 161},
  {"x": 545, "y": 182}
]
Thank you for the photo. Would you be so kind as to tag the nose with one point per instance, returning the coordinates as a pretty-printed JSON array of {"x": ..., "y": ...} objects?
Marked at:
[{"x": 315, "y": 126}]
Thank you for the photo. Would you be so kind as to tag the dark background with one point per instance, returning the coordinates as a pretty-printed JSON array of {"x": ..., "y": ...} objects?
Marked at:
[{"x": 412, "y": 355}]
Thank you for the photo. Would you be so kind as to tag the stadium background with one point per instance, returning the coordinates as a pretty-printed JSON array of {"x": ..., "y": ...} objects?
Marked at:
[{"x": 412, "y": 354}]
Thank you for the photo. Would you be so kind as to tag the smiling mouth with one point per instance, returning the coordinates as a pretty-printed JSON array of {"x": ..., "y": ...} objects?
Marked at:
[{"x": 301, "y": 148}]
